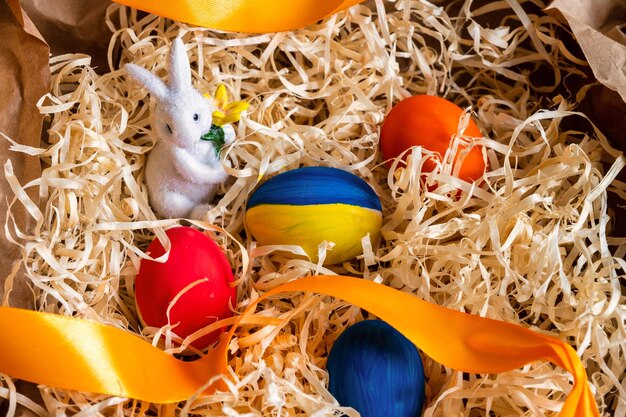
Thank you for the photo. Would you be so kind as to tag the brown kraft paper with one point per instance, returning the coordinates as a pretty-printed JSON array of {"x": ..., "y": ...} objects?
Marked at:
[
  {"x": 598, "y": 27},
  {"x": 73, "y": 26},
  {"x": 24, "y": 78}
]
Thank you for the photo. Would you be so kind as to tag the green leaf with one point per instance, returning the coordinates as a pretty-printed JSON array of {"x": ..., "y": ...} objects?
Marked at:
[{"x": 215, "y": 135}]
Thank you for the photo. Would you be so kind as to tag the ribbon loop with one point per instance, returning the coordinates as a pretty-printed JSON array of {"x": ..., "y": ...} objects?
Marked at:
[
  {"x": 254, "y": 16},
  {"x": 80, "y": 355}
]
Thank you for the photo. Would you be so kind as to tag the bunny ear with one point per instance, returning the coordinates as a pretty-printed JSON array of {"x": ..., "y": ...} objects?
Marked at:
[
  {"x": 150, "y": 81},
  {"x": 180, "y": 70}
]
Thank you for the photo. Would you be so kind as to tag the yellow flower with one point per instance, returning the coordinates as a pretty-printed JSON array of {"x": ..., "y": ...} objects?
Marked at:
[{"x": 226, "y": 112}]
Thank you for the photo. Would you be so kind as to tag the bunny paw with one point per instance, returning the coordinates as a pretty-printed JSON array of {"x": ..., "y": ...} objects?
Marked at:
[
  {"x": 200, "y": 212},
  {"x": 229, "y": 134}
]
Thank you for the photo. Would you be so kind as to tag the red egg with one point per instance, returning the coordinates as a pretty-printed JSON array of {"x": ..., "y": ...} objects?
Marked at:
[{"x": 193, "y": 257}]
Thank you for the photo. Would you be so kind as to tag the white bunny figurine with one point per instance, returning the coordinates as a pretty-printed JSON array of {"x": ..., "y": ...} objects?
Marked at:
[{"x": 182, "y": 171}]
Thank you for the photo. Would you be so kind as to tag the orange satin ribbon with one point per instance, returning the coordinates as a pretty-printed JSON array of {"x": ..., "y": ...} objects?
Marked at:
[
  {"x": 255, "y": 16},
  {"x": 85, "y": 356}
]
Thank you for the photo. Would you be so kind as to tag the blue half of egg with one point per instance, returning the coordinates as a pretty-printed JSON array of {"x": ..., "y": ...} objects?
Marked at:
[
  {"x": 316, "y": 185},
  {"x": 377, "y": 371},
  {"x": 309, "y": 205}
]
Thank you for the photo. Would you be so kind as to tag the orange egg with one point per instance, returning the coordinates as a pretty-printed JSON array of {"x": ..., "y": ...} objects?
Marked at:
[{"x": 429, "y": 122}]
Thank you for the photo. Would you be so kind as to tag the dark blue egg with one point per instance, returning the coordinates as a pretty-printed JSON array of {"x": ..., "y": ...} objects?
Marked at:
[{"x": 377, "y": 371}]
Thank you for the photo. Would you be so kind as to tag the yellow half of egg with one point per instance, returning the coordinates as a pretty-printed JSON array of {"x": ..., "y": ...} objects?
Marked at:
[{"x": 309, "y": 225}]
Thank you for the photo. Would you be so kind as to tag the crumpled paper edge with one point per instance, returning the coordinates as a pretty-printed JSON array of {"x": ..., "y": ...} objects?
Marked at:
[{"x": 606, "y": 56}]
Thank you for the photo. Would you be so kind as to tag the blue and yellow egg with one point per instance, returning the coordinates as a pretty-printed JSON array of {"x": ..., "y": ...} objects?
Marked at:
[{"x": 309, "y": 205}]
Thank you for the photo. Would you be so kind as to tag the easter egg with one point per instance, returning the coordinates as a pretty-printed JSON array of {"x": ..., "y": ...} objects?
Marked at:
[
  {"x": 309, "y": 205},
  {"x": 196, "y": 277},
  {"x": 429, "y": 122},
  {"x": 377, "y": 371}
]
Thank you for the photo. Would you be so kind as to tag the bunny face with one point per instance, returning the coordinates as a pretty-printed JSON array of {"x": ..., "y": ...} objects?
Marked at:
[{"x": 182, "y": 122}]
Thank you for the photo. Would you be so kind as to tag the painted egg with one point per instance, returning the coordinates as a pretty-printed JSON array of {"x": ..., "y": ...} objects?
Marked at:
[
  {"x": 309, "y": 205},
  {"x": 196, "y": 277},
  {"x": 377, "y": 371},
  {"x": 429, "y": 122}
]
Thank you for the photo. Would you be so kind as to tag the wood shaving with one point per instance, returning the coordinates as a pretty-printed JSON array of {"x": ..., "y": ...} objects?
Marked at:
[{"x": 531, "y": 244}]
